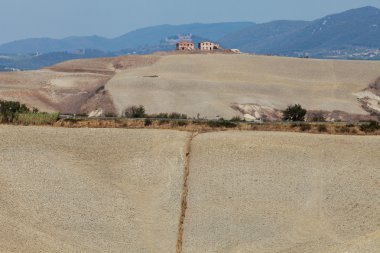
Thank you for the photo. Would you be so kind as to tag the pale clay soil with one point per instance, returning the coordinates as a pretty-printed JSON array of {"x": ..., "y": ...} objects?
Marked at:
[
  {"x": 89, "y": 190},
  {"x": 204, "y": 84},
  {"x": 118, "y": 190},
  {"x": 210, "y": 84}
]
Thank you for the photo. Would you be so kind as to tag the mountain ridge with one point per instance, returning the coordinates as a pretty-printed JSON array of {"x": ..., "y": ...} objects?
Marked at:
[
  {"x": 141, "y": 37},
  {"x": 352, "y": 34}
]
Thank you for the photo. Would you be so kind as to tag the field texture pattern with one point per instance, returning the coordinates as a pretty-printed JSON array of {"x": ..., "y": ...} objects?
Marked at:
[{"x": 118, "y": 190}]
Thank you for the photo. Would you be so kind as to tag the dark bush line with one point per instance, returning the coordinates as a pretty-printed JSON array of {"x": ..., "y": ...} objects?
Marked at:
[
  {"x": 222, "y": 123},
  {"x": 322, "y": 128},
  {"x": 138, "y": 111},
  {"x": 370, "y": 127},
  {"x": 135, "y": 111}
]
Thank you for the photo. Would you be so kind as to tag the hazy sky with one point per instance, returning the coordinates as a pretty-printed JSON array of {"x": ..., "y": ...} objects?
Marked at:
[{"x": 60, "y": 18}]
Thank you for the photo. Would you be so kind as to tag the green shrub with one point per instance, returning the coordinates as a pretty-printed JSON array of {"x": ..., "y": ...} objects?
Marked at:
[
  {"x": 344, "y": 130},
  {"x": 294, "y": 113},
  {"x": 40, "y": 118},
  {"x": 317, "y": 117},
  {"x": 322, "y": 128},
  {"x": 305, "y": 127},
  {"x": 182, "y": 123},
  {"x": 197, "y": 122},
  {"x": 163, "y": 122},
  {"x": 175, "y": 115},
  {"x": 294, "y": 125},
  {"x": 109, "y": 115},
  {"x": 148, "y": 122},
  {"x": 372, "y": 126},
  {"x": 236, "y": 119},
  {"x": 135, "y": 111},
  {"x": 161, "y": 116},
  {"x": 222, "y": 123},
  {"x": 10, "y": 109}
]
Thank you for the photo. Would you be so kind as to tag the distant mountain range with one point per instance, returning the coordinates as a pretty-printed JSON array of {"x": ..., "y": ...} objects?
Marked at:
[
  {"x": 151, "y": 36},
  {"x": 354, "y": 34}
]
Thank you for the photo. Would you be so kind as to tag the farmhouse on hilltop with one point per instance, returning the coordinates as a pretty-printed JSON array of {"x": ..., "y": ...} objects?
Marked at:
[
  {"x": 208, "y": 46},
  {"x": 202, "y": 46},
  {"x": 185, "y": 46}
]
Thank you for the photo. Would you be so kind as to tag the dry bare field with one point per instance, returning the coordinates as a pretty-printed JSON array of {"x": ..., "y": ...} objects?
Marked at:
[
  {"x": 283, "y": 192},
  {"x": 209, "y": 84},
  {"x": 89, "y": 190},
  {"x": 204, "y": 84},
  {"x": 77, "y": 86},
  {"x": 118, "y": 190}
]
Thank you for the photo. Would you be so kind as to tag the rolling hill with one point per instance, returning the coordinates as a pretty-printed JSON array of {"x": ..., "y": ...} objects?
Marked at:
[
  {"x": 353, "y": 30},
  {"x": 208, "y": 85},
  {"x": 354, "y": 34},
  {"x": 151, "y": 36}
]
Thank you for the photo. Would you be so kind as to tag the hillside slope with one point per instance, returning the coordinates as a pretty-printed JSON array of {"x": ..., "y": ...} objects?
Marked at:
[
  {"x": 77, "y": 86},
  {"x": 207, "y": 84}
]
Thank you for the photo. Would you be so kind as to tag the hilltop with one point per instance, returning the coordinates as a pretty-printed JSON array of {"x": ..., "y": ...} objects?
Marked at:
[{"x": 206, "y": 85}]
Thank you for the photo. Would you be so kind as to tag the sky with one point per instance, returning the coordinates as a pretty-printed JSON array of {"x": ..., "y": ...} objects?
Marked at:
[{"x": 21, "y": 19}]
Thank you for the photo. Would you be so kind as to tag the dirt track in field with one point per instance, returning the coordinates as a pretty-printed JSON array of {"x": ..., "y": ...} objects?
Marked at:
[{"x": 118, "y": 190}]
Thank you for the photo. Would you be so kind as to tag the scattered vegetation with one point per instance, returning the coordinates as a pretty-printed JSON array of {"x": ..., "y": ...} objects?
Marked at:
[
  {"x": 108, "y": 114},
  {"x": 343, "y": 129},
  {"x": 236, "y": 119},
  {"x": 163, "y": 122},
  {"x": 39, "y": 118},
  {"x": 221, "y": 123},
  {"x": 305, "y": 127},
  {"x": 316, "y": 117},
  {"x": 148, "y": 122},
  {"x": 135, "y": 111},
  {"x": 370, "y": 127},
  {"x": 182, "y": 123},
  {"x": 322, "y": 128},
  {"x": 138, "y": 111},
  {"x": 294, "y": 113},
  {"x": 10, "y": 109},
  {"x": 15, "y": 112},
  {"x": 294, "y": 125},
  {"x": 173, "y": 115}
]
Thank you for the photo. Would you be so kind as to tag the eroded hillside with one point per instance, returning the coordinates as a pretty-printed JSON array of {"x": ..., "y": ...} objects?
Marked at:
[
  {"x": 205, "y": 85},
  {"x": 77, "y": 86}
]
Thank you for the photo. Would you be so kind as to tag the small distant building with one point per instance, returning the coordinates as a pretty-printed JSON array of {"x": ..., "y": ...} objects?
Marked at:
[
  {"x": 185, "y": 46},
  {"x": 208, "y": 46}
]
